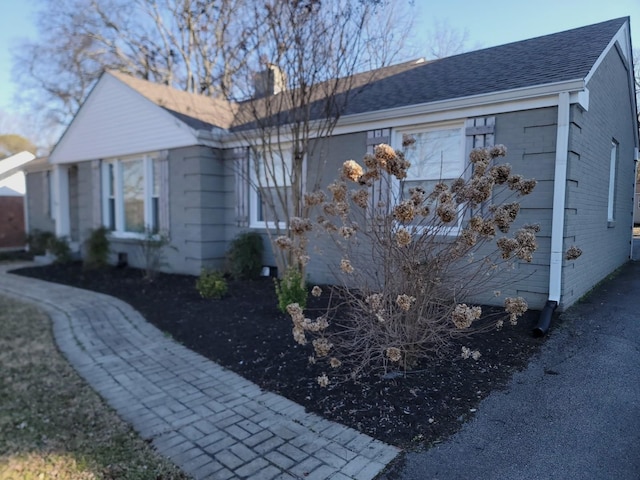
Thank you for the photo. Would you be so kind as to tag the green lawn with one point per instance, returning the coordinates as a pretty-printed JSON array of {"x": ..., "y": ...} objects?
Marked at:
[{"x": 52, "y": 424}]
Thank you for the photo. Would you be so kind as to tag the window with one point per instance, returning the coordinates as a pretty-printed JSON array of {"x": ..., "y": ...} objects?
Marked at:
[
  {"x": 271, "y": 182},
  {"x": 613, "y": 166},
  {"x": 436, "y": 156},
  {"x": 131, "y": 189}
]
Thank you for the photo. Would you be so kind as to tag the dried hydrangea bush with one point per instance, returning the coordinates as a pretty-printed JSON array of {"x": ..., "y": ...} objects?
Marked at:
[{"x": 409, "y": 258}]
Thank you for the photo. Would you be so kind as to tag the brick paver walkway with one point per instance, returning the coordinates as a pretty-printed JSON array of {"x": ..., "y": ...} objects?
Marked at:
[{"x": 211, "y": 422}]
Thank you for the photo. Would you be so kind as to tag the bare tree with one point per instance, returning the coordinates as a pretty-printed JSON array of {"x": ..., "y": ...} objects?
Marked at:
[
  {"x": 308, "y": 55},
  {"x": 192, "y": 45},
  {"x": 443, "y": 40}
]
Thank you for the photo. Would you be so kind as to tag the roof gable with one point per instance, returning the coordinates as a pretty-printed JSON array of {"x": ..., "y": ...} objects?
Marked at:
[
  {"x": 116, "y": 120},
  {"x": 198, "y": 111}
]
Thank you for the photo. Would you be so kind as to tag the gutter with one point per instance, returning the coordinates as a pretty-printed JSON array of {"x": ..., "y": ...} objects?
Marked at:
[{"x": 557, "y": 224}]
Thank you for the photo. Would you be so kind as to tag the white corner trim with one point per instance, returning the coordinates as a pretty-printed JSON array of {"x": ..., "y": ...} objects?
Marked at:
[{"x": 559, "y": 195}]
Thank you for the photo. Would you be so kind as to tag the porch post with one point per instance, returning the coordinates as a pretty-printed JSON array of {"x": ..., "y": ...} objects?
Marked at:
[{"x": 61, "y": 200}]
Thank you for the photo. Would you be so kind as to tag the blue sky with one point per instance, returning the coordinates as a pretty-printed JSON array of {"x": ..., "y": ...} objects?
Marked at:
[{"x": 488, "y": 23}]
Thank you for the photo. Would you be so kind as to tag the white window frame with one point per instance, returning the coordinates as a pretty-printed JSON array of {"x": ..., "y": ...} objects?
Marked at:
[
  {"x": 426, "y": 128},
  {"x": 284, "y": 151},
  {"x": 613, "y": 166},
  {"x": 149, "y": 161}
]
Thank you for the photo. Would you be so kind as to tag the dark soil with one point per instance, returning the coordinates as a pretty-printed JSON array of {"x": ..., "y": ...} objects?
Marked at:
[{"x": 246, "y": 333}]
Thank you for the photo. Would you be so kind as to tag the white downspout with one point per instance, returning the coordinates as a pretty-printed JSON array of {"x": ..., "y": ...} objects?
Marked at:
[
  {"x": 559, "y": 195},
  {"x": 557, "y": 222}
]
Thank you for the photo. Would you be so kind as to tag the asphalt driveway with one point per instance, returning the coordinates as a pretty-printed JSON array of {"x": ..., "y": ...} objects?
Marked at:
[{"x": 574, "y": 413}]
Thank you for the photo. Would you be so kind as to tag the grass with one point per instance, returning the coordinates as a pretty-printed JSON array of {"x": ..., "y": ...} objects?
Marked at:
[{"x": 52, "y": 424}]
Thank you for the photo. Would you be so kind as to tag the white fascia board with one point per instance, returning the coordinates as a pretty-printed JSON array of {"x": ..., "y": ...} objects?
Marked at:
[
  {"x": 486, "y": 104},
  {"x": 623, "y": 39},
  {"x": 14, "y": 164}
]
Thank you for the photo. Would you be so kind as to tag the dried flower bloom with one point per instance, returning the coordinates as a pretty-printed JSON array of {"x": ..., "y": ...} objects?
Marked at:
[
  {"x": 347, "y": 232},
  {"x": 369, "y": 177},
  {"x": 314, "y": 198},
  {"x": 408, "y": 140},
  {"x": 322, "y": 347},
  {"x": 342, "y": 208},
  {"x": 532, "y": 227},
  {"x": 316, "y": 291},
  {"x": 480, "y": 167},
  {"x": 479, "y": 155},
  {"x": 424, "y": 211},
  {"x": 523, "y": 187},
  {"x": 446, "y": 212},
  {"x": 468, "y": 353},
  {"x": 445, "y": 197},
  {"x": 300, "y": 225},
  {"x": 323, "y": 380},
  {"x": 360, "y": 198},
  {"x": 334, "y": 362},
  {"x": 463, "y": 316},
  {"x": 339, "y": 191},
  {"x": 298, "y": 335},
  {"x": 500, "y": 173},
  {"x": 505, "y": 215},
  {"x": 374, "y": 301},
  {"x": 294, "y": 309},
  {"x": 345, "y": 266},
  {"x": 417, "y": 195},
  {"x": 526, "y": 186},
  {"x": 403, "y": 237},
  {"x": 351, "y": 170},
  {"x": 515, "y": 307},
  {"x": 480, "y": 189},
  {"x": 475, "y": 223},
  {"x": 303, "y": 259},
  {"x": 370, "y": 162},
  {"x": 507, "y": 246},
  {"x": 312, "y": 360},
  {"x": 283, "y": 242},
  {"x": 572, "y": 253},
  {"x": 398, "y": 168},
  {"x": 458, "y": 185},
  {"x": 498, "y": 151},
  {"x": 405, "y": 302},
  {"x": 526, "y": 244},
  {"x": 499, "y": 324},
  {"x": 404, "y": 212},
  {"x": 469, "y": 237},
  {"x": 384, "y": 155},
  {"x": 394, "y": 354}
]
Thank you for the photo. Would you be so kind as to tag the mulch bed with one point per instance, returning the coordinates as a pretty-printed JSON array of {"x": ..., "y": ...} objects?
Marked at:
[{"x": 246, "y": 333}]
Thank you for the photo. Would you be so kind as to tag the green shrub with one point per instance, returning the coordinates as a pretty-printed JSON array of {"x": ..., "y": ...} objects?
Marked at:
[
  {"x": 97, "y": 255},
  {"x": 59, "y": 248},
  {"x": 211, "y": 284},
  {"x": 245, "y": 255},
  {"x": 38, "y": 241},
  {"x": 291, "y": 289}
]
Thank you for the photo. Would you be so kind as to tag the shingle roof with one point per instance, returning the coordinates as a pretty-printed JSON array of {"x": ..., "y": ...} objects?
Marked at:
[
  {"x": 552, "y": 58},
  {"x": 563, "y": 56},
  {"x": 197, "y": 111}
]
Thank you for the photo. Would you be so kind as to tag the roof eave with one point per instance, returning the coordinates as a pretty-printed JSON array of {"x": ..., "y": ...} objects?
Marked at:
[{"x": 512, "y": 96}]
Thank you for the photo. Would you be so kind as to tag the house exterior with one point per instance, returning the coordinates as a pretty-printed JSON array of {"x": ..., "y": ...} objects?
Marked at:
[
  {"x": 139, "y": 154},
  {"x": 12, "y": 204}
]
